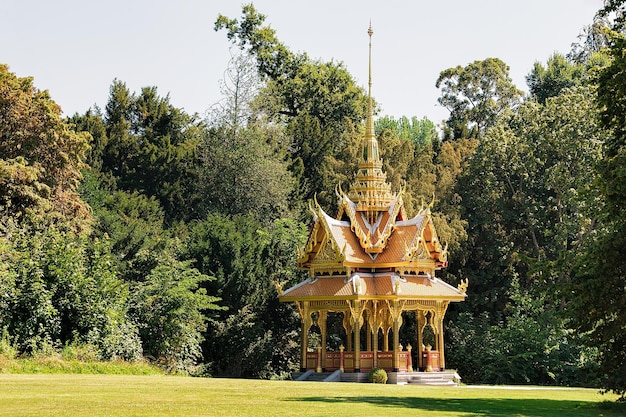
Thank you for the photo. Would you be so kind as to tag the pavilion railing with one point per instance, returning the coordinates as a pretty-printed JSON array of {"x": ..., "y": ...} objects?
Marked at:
[{"x": 345, "y": 361}]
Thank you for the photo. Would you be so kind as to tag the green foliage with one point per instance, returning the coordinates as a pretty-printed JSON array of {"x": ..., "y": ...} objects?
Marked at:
[
  {"x": 317, "y": 101},
  {"x": 144, "y": 144},
  {"x": 593, "y": 39},
  {"x": 530, "y": 345},
  {"x": 612, "y": 99},
  {"x": 597, "y": 290},
  {"x": 476, "y": 96},
  {"x": 248, "y": 261},
  {"x": 63, "y": 288},
  {"x": 377, "y": 376},
  {"x": 551, "y": 80},
  {"x": 617, "y": 7},
  {"x": 21, "y": 192},
  {"x": 170, "y": 309},
  {"x": 522, "y": 196},
  {"x": 326, "y": 91},
  {"x": 420, "y": 132},
  {"x": 8, "y": 349},
  {"x": 132, "y": 222},
  {"x": 241, "y": 172},
  {"x": 527, "y": 194},
  {"x": 597, "y": 302},
  {"x": 239, "y": 346},
  {"x": 40, "y": 156}
]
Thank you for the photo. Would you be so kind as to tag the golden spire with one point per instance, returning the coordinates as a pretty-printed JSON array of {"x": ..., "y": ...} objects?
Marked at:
[
  {"x": 369, "y": 124},
  {"x": 370, "y": 190}
]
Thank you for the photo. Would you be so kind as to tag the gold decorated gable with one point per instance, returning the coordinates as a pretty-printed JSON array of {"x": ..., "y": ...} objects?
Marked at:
[{"x": 339, "y": 246}]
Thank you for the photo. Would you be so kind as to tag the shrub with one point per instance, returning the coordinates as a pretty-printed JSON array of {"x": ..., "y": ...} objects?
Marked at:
[
  {"x": 378, "y": 376},
  {"x": 7, "y": 346}
]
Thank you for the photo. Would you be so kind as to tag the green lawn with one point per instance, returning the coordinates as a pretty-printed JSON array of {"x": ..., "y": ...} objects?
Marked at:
[{"x": 119, "y": 395}]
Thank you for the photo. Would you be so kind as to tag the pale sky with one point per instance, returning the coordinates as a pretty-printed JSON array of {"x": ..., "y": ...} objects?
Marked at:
[{"x": 76, "y": 48}]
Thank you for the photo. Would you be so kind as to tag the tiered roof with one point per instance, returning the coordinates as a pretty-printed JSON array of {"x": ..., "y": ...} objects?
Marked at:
[{"x": 371, "y": 250}]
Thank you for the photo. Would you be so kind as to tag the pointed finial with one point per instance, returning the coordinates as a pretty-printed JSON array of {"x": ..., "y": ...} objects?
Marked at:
[
  {"x": 370, "y": 32},
  {"x": 369, "y": 122}
]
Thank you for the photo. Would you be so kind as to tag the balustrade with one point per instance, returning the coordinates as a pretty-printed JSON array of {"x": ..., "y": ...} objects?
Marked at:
[{"x": 345, "y": 360}]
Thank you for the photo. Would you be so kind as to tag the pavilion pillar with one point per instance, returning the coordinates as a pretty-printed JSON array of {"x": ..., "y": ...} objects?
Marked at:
[
  {"x": 374, "y": 325},
  {"x": 396, "y": 343},
  {"x": 396, "y": 315},
  {"x": 305, "y": 315},
  {"x": 322, "y": 322},
  {"x": 375, "y": 348},
  {"x": 356, "y": 311},
  {"x": 368, "y": 339},
  {"x": 386, "y": 339},
  {"x": 357, "y": 345},
  {"x": 442, "y": 306},
  {"x": 347, "y": 326},
  {"x": 384, "y": 323},
  {"x": 420, "y": 315}
]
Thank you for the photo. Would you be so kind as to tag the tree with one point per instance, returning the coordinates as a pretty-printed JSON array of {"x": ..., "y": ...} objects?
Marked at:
[
  {"x": 549, "y": 82},
  {"x": 171, "y": 310},
  {"x": 598, "y": 286},
  {"x": 325, "y": 90},
  {"x": 64, "y": 289},
  {"x": 41, "y": 156},
  {"x": 617, "y": 7},
  {"x": 611, "y": 98},
  {"x": 526, "y": 198},
  {"x": 316, "y": 101},
  {"x": 476, "y": 96},
  {"x": 255, "y": 336},
  {"x": 592, "y": 39},
  {"x": 241, "y": 158},
  {"x": 241, "y": 173},
  {"x": 421, "y": 132},
  {"x": 525, "y": 186},
  {"x": 132, "y": 222},
  {"x": 239, "y": 88},
  {"x": 147, "y": 146}
]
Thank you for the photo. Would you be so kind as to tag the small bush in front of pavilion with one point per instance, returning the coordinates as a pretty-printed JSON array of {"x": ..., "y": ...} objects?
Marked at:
[{"x": 378, "y": 376}]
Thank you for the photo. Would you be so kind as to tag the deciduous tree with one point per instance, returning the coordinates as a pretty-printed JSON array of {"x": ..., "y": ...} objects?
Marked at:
[
  {"x": 40, "y": 155},
  {"x": 476, "y": 96}
]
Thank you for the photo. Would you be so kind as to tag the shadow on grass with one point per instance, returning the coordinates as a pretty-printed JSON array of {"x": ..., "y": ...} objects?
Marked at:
[{"x": 491, "y": 407}]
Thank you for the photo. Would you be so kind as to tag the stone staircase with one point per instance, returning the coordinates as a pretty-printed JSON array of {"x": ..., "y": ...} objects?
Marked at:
[
  {"x": 318, "y": 376},
  {"x": 449, "y": 379},
  {"x": 434, "y": 378}
]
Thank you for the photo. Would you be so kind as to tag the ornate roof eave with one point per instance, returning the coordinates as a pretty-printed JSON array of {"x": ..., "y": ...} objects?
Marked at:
[
  {"x": 308, "y": 258},
  {"x": 421, "y": 248},
  {"x": 287, "y": 298}
]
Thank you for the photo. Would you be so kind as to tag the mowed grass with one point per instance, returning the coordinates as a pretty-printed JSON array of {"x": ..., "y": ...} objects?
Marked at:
[{"x": 126, "y": 395}]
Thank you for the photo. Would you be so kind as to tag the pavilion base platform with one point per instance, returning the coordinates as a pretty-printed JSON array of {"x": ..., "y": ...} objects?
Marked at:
[{"x": 443, "y": 378}]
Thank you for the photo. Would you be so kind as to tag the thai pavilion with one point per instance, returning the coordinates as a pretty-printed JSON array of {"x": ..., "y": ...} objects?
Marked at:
[{"x": 368, "y": 266}]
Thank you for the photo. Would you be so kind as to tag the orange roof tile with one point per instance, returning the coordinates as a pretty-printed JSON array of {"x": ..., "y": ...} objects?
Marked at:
[
  {"x": 372, "y": 286},
  {"x": 401, "y": 238}
]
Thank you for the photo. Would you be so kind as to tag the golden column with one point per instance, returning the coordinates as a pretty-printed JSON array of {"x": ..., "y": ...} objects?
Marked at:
[
  {"x": 307, "y": 321},
  {"x": 442, "y": 306},
  {"x": 322, "y": 323},
  {"x": 420, "y": 315}
]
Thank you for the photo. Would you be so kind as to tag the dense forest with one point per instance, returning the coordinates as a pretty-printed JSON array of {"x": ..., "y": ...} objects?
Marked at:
[{"x": 145, "y": 232}]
